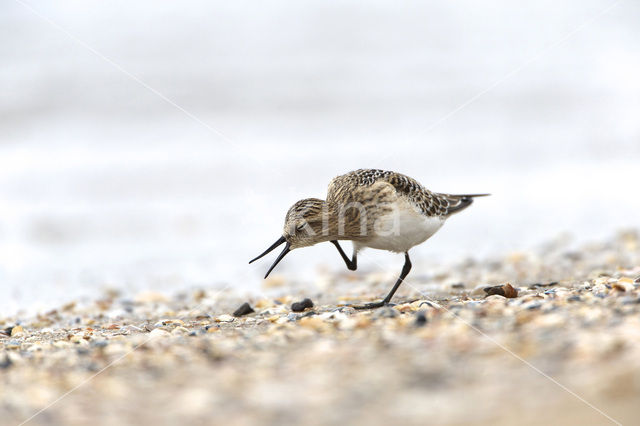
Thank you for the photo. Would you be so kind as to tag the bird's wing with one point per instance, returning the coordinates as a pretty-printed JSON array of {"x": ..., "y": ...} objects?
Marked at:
[{"x": 342, "y": 189}]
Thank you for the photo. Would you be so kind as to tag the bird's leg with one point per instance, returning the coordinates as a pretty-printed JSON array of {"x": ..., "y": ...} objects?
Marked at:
[
  {"x": 351, "y": 264},
  {"x": 405, "y": 271}
]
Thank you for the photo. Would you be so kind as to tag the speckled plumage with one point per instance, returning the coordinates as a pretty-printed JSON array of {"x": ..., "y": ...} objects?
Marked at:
[
  {"x": 372, "y": 208},
  {"x": 347, "y": 187}
]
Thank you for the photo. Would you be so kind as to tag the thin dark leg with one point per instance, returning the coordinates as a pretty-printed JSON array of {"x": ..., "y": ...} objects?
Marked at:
[
  {"x": 351, "y": 264},
  {"x": 405, "y": 271}
]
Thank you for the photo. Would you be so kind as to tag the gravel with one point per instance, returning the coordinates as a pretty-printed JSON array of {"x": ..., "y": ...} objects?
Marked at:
[{"x": 445, "y": 353}]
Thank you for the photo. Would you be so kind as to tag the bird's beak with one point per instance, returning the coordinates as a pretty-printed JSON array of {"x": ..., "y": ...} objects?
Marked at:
[{"x": 280, "y": 256}]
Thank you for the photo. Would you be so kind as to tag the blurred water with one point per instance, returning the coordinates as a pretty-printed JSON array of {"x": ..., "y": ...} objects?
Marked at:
[{"x": 104, "y": 183}]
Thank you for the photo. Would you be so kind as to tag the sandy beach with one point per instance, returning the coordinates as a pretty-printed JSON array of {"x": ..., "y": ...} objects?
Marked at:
[{"x": 565, "y": 349}]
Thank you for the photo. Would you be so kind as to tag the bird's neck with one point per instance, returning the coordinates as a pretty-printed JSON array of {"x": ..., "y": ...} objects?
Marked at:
[{"x": 339, "y": 222}]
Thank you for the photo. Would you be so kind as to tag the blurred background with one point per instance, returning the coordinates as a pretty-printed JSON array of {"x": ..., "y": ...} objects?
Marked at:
[{"x": 158, "y": 145}]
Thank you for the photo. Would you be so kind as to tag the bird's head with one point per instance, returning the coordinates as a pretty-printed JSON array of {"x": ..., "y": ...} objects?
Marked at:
[{"x": 303, "y": 226}]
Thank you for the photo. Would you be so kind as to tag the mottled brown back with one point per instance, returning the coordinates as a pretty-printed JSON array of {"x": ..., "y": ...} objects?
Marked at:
[{"x": 348, "y": 188}]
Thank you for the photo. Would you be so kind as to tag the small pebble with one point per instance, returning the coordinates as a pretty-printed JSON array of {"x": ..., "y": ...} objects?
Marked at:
[
  {"x": 428, "y": 303},
  {"x": 225, "y": 318},
  {"x": 131, "y": 328},
  {"x": 244, "y": 309},
  {"x": 502, "y": 290},
  {"x": 301, "y": 306},
  {"x": 421, "y": 319},
  {"x": 622, "y": 286},
  {"x": 16, "y": 331},
  {"x": 158, "y": 332}
]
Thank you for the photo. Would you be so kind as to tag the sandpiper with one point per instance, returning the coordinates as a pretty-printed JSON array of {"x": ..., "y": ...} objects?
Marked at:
[{"x": 372, "y": 208}]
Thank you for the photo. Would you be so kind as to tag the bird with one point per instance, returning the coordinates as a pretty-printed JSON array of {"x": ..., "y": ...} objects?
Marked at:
[{"x": 372, "y": 208}]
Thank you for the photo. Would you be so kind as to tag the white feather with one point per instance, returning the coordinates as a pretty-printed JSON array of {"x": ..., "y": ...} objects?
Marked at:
[{"x": 403, "y": 228}]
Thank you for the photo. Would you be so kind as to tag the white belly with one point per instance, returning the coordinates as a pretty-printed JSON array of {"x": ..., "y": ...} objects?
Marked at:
[{"x": 402, "y": 229}]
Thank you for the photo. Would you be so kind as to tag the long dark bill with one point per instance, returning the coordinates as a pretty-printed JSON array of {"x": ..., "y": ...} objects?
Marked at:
[
  {"x": 280, "y": 256},
  {"x": 270, "y": 249}
]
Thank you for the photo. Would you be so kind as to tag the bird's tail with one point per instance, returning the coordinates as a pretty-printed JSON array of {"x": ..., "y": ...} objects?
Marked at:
[{"x": 460, "y": 202}]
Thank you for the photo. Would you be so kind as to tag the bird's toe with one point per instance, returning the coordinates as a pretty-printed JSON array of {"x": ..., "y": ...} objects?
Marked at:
[{"x": 372, "y": 305}]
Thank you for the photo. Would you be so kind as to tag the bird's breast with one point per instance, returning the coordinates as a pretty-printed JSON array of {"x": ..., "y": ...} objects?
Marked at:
[{"x": 401, "y": 228}]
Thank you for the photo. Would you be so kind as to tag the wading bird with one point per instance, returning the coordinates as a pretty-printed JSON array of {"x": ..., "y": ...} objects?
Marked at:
[{"x": 372, "y": 208}]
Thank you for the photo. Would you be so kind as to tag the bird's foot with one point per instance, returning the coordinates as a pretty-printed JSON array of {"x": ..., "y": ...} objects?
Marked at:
[{"x": 373, "y": 305}]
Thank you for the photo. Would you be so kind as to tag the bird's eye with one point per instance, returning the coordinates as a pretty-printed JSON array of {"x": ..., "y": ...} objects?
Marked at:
[{"x": 301, "y": 227}]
